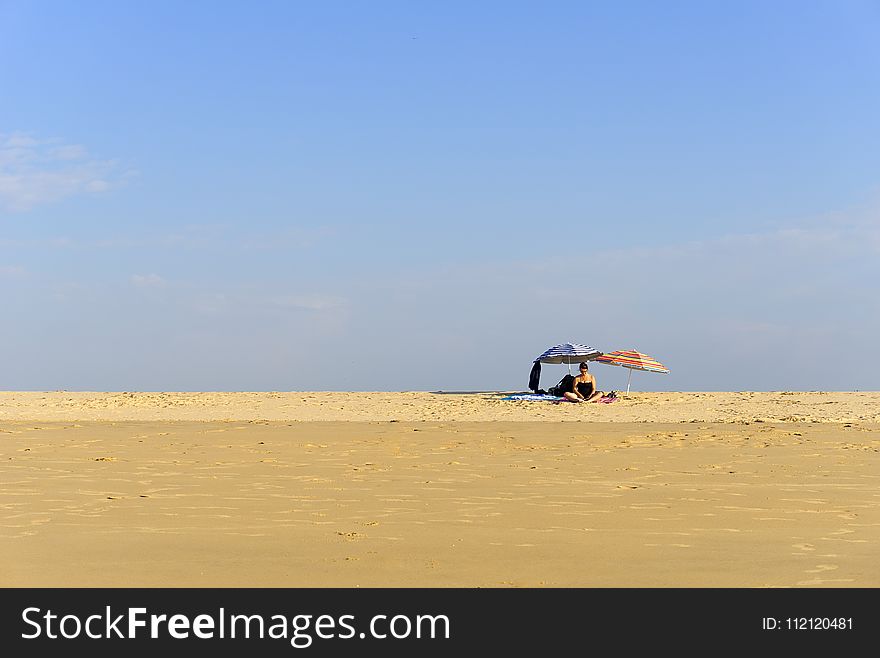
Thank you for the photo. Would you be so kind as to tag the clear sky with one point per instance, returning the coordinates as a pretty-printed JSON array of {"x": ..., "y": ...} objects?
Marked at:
[{"x": 427, "y": 195}]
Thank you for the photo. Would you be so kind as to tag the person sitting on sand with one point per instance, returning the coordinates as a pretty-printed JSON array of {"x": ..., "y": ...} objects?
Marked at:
[{"x": 583, "y": 387}]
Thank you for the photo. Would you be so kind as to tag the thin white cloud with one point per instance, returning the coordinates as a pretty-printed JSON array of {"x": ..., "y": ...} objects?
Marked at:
[
  {"x": 212, "y": 303},
  {"x": 311, "y": 302},
  {"x": 11, "y": 271},
  {"x": 35, "y": 171},
  {"x": 69, "y": 152},
  {"x": 295, "y": 238},
  {"x": 193, "y": 237},
  {"x": 148, "y": 280},
  {"x": 239, "y": 302}
]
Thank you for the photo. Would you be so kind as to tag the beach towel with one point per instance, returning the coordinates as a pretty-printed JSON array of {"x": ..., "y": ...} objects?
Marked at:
[{"x": 534, "y": 397}]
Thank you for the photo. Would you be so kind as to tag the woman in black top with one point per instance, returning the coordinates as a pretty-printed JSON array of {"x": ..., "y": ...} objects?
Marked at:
[{"x": 584, "y": 387}]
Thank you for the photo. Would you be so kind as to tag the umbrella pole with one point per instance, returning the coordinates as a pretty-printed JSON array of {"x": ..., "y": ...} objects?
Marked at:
[{"x": 628, "y": 380}]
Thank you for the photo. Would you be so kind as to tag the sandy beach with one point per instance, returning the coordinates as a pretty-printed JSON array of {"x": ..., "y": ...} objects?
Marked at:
[{"x": 443, "y": 489}]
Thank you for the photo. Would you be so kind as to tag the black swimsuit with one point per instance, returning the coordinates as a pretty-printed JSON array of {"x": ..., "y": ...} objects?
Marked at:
[{"x": 585, "y": 389}]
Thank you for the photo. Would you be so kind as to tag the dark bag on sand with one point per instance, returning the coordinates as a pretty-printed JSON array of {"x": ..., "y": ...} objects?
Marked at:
[{"x": 565, "y": 385}]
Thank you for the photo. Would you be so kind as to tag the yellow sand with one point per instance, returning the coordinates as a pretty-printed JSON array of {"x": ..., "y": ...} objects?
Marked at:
[{"x": 438, "y": 490}]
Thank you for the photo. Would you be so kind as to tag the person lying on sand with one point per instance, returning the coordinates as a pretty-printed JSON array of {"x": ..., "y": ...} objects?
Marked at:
[{"x": 583, "y": 387}]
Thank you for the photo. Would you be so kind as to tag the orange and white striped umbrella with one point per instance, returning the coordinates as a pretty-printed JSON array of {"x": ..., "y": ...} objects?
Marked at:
[{"x": 632, "y": 360}]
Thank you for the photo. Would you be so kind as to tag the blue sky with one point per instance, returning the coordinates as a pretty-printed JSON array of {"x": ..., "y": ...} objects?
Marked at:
[{"x": 425, "y": 196}]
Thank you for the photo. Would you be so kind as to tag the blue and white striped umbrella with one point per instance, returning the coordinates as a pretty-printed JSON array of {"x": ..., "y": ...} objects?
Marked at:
[
  {"x": 569, "y": 353},
  {"x": 564, "y": 353}
]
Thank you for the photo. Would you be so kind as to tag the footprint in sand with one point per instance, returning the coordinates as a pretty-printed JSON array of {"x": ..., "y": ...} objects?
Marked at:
[
  {"x": 822, "y": 567},
  {"x": 351, "y": 536}
]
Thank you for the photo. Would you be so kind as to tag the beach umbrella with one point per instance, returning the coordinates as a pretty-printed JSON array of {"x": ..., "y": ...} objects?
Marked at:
[
  {"x": 632, "y": 360},
  {"x": 563, "y": 353}
]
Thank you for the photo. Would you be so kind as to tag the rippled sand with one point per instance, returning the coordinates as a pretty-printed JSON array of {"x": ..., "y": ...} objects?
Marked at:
[{"x": 439, "y": 489}]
